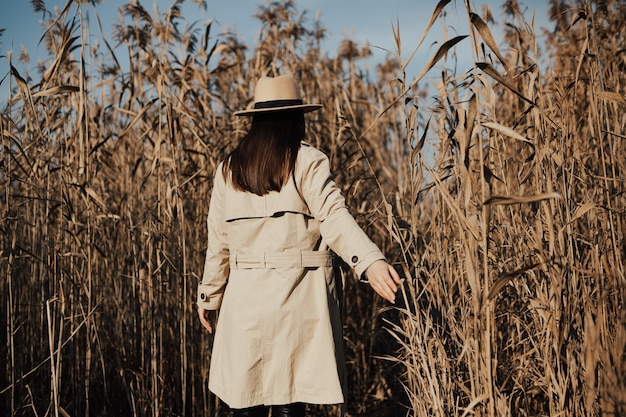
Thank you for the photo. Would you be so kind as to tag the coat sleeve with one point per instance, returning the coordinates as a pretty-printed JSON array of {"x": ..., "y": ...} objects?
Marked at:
[
  {"x": 326, "y": 203},
  {"x": 216, "y": 263}
]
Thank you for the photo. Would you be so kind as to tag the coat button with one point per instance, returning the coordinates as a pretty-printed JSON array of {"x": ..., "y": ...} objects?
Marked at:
[
  {"x": 355, "y": 259},
  {"x": 202, "y": 296}
]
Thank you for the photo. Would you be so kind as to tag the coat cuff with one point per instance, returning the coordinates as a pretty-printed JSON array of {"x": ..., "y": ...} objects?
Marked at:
[
  {"x": 361, "y": 263},
  {"x": 206, "y": 300}
]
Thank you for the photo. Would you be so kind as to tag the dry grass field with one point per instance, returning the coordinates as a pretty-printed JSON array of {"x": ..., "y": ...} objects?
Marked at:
[{"x": 498, "y": 191}]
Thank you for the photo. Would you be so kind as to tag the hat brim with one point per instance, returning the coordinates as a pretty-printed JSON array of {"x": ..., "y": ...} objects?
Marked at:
[{"x": 304, "y": 107}]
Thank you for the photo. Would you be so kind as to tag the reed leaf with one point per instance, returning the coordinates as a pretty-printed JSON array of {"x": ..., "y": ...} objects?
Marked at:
[
  {"x": 433, "y": 17},
  {"x": 493, "y": 73},
  {"x": 613, "y": 96},
  {"x": 507, "y": 277},
  {"x": 507, "y": 131},
  {"x": 60, "y": 89},
  {"x": 485, "y": 33},
  {"x": 506, "y": 200}
]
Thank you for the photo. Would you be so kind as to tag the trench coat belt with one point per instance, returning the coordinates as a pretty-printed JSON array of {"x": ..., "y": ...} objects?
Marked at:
[{"x": 297, "y": 259}]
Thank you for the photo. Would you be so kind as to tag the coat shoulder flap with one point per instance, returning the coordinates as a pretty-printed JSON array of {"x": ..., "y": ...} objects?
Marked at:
[{"x": 245, "y": 205}]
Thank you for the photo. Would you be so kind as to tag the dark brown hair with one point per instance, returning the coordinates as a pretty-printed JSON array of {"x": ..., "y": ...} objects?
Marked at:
[{"x": 265, "y": 157}]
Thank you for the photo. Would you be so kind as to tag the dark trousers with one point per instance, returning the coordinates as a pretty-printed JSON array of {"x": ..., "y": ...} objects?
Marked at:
[{"x": 287, "y": 410}]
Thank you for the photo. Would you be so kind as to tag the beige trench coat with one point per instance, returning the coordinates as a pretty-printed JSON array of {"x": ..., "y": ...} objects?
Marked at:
[{"x": 278, "y": 339}]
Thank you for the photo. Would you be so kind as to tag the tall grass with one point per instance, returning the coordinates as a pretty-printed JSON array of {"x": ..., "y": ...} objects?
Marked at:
[
  {"x": 500, "y": 198},
  {"x": 515, "y": 307}
]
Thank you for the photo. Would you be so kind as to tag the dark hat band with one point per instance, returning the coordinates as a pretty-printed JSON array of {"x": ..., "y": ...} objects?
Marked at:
[{"x": 277, "y": 103}]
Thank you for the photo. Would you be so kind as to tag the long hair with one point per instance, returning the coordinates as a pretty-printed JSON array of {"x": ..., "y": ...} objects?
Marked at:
[{"x": 265, "y": 157}]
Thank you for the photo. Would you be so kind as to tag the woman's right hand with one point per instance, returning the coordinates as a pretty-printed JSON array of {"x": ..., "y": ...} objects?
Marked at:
[{"x": 206, "y": 317}]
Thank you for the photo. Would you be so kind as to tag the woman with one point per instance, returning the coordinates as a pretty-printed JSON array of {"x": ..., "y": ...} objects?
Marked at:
[{"x": 273, "y": 215}]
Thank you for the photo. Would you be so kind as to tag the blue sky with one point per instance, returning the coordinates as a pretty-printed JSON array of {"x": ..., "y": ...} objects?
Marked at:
[{"x": 360, "y": 20}]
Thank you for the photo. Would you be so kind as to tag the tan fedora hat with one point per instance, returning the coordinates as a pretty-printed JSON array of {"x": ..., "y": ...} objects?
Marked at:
[{"x": 275, "y": 94}]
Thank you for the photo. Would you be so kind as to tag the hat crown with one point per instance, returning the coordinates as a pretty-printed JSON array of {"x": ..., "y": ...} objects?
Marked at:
[
  {"x": 282, "y": 87},
  {"x": 277, "y": 94}
]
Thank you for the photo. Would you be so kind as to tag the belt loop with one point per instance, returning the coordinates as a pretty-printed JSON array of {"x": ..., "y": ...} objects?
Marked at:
[
  {"x": 236, "y": 264},
  {"x": 264, "y": 260}
]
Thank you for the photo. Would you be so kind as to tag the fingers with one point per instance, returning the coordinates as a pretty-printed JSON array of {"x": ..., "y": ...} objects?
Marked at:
[
  {"x": 385, "y": 287},
  {"x": 395, "y": 275},
  {"x": 205, "y": 319},
  {"x": 385, "y": 292},
  {"x": 384, "y": 279}
]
